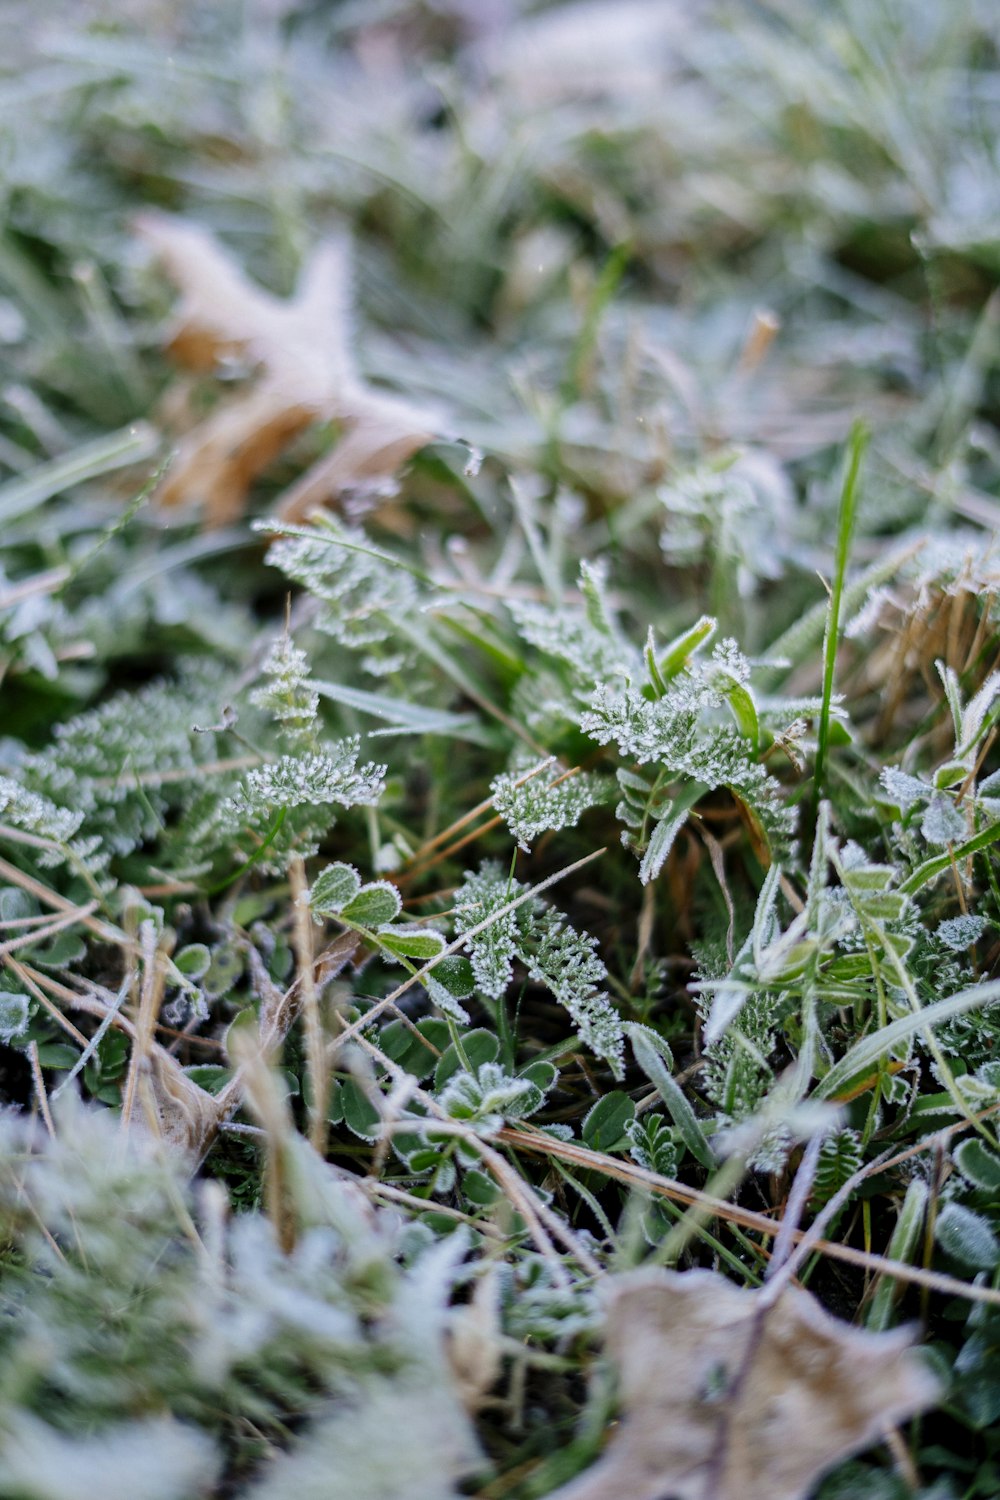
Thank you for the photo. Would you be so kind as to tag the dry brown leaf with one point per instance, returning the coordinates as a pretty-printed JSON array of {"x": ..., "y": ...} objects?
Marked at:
[
  {"x": 727, "y": 1398},
  {"x": 305, "y": 372}
]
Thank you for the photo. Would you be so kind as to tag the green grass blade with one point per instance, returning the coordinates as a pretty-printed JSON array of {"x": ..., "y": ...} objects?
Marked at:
[{"x": 845, "y": 531}]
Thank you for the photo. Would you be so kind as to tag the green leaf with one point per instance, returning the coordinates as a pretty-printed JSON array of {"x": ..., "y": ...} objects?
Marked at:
[
  {"x": 403, "y": 717},
  {"x": 654, "y": 1058},
  {"x": 479, "y": 1188},
  {"x": 606, "y": 1123},
  {"x": 193, "y": 961},
  {"x": 14, "y": 1016},
  {"x": 479, "y": 1047},
  {"x": 360, "y": 1115},
  {"x": 666, "y": 830},
  {"x": 333, "y": 888},
  {"x": 65, "y": 949},
  {"x": 421, "y": 943},
  {"x": 542, "y": 1074},
  {"x": 456, "y": 975},
  {"x": 402, "y": 1047},
  {"x": 939, "y": 863},
  {"x": 211, "y": 1077},
  {"x": 680, "y": 650},
  {"x": 864, "y": 1055},
  {"x": 742, "y": 706},
  {"x": 967, "y": 1237},
  {"x": 427, "y": 1159},
  {"x": 373, "y": 906},
  {"x": 903, "y": 1245},
  {"x": 980, "y": 1165},
  {"x": 57, "y": 1055}
]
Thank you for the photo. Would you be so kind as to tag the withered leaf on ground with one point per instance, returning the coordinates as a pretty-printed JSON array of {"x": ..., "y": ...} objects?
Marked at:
[
  {"x": 304, "y": 371},
  {"x": 724, "y": 1398}
]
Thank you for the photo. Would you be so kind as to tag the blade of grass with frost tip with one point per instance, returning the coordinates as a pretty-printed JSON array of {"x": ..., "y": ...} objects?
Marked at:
[
  {"x": 130, "y": 445},
  {"x": 863, "y": 1056},
  {"x": 845, "y": 530}
]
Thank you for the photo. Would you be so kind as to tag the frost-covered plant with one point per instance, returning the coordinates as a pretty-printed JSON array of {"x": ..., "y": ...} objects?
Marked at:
[
  {"x": 734, "y": 514},
  {"x": 121, "y": 770},
  {"x": 372, "y": 909},
  {"x": 287, "y": 694},
  {"x": 671, "y": 723},
  {"x": 364, "y": 593},
  {"x": 140, "y": 1339},
  {"x": 544, "y": 803},
  {"x": 315, "y": 779},
  {"x": 553, "y": 953}
]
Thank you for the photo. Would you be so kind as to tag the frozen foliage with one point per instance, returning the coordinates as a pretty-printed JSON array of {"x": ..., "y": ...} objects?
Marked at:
[
  {"x": 738, "y": 509},
  {"x": 489, "y": 1097},
  {"x": 373, "y": 908},
  {"x": 942, "y": 822},
  {"x": 677, "y": 736},
  {"x": 652, "y": 1145},
  {"x": 208, "y": 1342},
  {"x": 311, "y": 780},
  {"x": 553, "y": 952},
  {"x": 584, "y": 639},
  {"x": 544, "y": 803},
  {"x": 32, "y": 813},
  {"x": 904, "y": 790},
  {"x": 13, "y": 1015},
  {"x": 959, "y": 933},
  {"x": 117, "y": 770},
  {"x": 365, "y": 594},
  {"x": 157, "y": 1458},
  {"x": 288, "y": 696}
]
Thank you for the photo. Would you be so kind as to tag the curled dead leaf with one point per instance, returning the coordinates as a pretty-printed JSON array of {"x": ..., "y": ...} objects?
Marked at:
[
  {"x": 304, "y": 372},
  {"x": 728, "y": 1397}
]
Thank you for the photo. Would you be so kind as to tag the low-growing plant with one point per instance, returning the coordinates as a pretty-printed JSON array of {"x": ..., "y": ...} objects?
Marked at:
[{"x": 462, "y": 875}]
